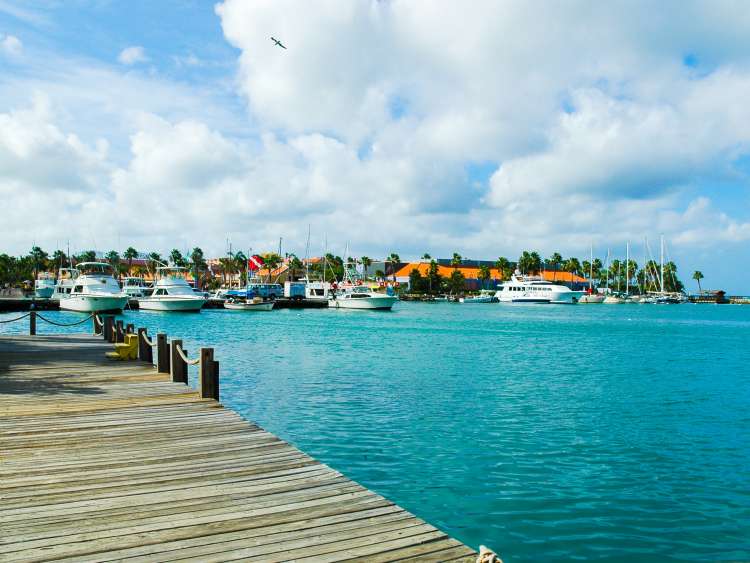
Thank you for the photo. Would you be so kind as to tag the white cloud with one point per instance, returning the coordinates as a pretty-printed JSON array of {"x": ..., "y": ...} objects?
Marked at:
[
  {"x": 10, "y": 45},
  {"x": 132, "y": 55}
]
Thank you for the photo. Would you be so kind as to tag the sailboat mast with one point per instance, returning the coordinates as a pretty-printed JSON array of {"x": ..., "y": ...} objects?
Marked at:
[
  {"x": 591, "y": 269},
  {"x": 661, "y": 265},
  {"x": 627, "y": 269}
]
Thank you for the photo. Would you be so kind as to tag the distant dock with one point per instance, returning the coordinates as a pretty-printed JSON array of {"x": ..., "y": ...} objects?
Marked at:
[{"x": 105, "y": 459}]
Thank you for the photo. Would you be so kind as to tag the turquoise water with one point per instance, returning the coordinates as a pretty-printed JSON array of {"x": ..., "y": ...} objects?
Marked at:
[{"x": 545, "y": 432}]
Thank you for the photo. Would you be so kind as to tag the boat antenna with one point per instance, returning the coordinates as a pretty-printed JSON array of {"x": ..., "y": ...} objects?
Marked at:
[
  {"x": 627, "y": 269},
  {"x": 307, "y": 255}
]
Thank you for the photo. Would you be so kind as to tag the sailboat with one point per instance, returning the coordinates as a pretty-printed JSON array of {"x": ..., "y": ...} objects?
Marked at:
[
  {"x": 613, "y": 298},
  {"x": 591, "y": 297}
]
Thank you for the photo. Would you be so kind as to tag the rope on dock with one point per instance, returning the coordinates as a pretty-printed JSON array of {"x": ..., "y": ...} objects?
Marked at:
[
  {"x": 151, "y": 343},
  {"x": 65, "y": 324},
  {"x": 16, "y": 319},
  {"x": 185, "y": 359},
  {"x": 486, "y": 555},
  {"x": 98, "y": 320}
]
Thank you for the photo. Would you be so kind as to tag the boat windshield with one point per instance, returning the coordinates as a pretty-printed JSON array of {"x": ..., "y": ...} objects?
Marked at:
[{"x": 94, "y": 268}]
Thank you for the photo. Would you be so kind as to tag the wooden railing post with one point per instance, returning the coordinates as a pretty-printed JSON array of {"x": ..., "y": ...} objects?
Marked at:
[
  {"x": 162, "y": 353},
  {"x": 119, "y": 331},
  {"x": 178, "y": 365},
  {"x": 32, "y": 323},
  {"x": 145, "y": 352},
  {"x": 97, "y": 326},
  {"x": 109, "y": 322},
  {"x": 209, "y": 375}
]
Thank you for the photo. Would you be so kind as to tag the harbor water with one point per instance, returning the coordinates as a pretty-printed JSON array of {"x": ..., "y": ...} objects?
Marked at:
[{"x": 617, "y": 433}]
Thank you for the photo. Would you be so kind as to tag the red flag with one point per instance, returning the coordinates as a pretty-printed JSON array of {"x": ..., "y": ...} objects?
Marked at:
[{"x": 255, "y": 262}]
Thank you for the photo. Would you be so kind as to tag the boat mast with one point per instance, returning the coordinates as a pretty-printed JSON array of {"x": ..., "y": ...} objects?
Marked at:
[
  {"x": 627, "y": 269},
  {"x": 591, "y": 270},
  {"x": 661, "y": 265}
]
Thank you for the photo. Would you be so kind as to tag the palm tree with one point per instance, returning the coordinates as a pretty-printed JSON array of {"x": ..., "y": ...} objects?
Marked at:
[
  {"x": 556, "y": 259},
  {"x": 573, "y": 266},
  {"x": 113, "y": 257},
  {"x": 698, "y": 276},
  {"x": 154, "y": 261},
  {"x": 456, "y": 260},
  {"x": 484, "y": 275},
  {"x": 239, "y": 263},
  {"x": 176, "y": 257},
  {"x": 198, "y": 263},
  {"x": 130, "y": 254},
  {"x": 380, "y": 274},
  {"x": 503, "y": 266},
  {"x": 295, "y": 264},
  {"x": 366, "y": 263},
  {"x": 38, "y": 259},
  {"x": 394, "y": 259},
  {"x": 426, "y": 257}
]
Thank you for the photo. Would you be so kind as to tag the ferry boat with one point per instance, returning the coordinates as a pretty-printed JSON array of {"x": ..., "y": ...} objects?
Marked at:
[
  {"x": 534, "y": 289},
  {"x": 44, "y": 286},
  {"x": 172, "y": 292},
  {"x": 94, "y": 289}
]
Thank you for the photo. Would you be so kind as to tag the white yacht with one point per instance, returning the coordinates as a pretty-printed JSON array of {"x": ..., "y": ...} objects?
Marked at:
[
  {"x": 65, "y": 281},
  {"x": 360, "y": 297},
  {"x": 534, "y": 289},
  {"x": 44, "y": 286},
  {"x": 171, "y": 292},
  {"x": 94, "y": 289},
  {"x": 485, "y": 296},
  {"x": 135, "y": 287}
]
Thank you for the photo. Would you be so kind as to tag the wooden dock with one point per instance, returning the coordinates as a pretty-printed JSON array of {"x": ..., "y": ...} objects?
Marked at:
[{"x": 103, "y": 460}]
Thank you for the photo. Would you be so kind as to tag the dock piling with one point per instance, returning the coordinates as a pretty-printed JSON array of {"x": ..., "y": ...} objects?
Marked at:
[
  {"x": 162, "y": 353},
  {"x": 209, "y": 375},
  {"x": 119, "y": 332},
  {"x": 109, "y": 322},
  {"x": 32, "y": 323},
  {"x": 178, "y": 366},
  {"x": 145, "y": 350}
]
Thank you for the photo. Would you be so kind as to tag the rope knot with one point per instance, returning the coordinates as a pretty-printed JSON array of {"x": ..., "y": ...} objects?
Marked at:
[{"x": 486, "y": 555}]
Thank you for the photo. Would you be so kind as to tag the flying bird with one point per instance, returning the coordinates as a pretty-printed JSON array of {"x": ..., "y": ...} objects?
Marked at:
[{"x": 278, "y": 43}]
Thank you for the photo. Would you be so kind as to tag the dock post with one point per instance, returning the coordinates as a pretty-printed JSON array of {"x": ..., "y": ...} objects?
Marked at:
[
  {"x": 119, "y": 332},
  {"x": 145, "y": 352},
  {"x": 109, "y": 323},
  {"x": 32, "y": 323},
  {"x": 130, "y": 328},
  {"x": 209, "y": 375},
  {"x": 162, "y": 353},
  {"x": 177, "y": 365}
]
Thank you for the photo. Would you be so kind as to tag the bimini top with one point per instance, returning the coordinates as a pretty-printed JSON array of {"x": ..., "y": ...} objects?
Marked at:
[{"x": 89, "y": 268}]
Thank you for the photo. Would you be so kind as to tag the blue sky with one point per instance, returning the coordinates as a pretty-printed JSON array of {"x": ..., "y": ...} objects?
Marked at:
[{"x": 486, "y": 129}]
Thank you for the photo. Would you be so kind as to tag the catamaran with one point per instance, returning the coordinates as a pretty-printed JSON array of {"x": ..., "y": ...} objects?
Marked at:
[
  {"x": 94, "y": 289},
  {"x": 172, "y": 292}
]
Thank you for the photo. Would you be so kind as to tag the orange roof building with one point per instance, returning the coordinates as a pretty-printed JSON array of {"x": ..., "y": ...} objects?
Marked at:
[{"x": 472, "y": 273}]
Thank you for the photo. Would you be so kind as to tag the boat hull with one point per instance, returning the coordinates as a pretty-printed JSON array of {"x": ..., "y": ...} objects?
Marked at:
[
  {"x": 591, "y": 299},
  {"x": 44, "y": 292},
  {"x": 470, "y": 300},
  {"x": 372, "y": 303},
  {"x": 93, "y": 303},
  {"x": 265, "y": 306},
  {"x": 554, "y": 297},
  {"x": 178, "y": 304}
]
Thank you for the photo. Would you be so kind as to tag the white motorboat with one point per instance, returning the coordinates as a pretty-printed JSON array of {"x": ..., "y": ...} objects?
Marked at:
[
  {"x": 614, "y": 300},
  {"x": 44, "y": 286},
  {"x": 485, "y": 296},
  {"x": 135, "y": 287},
  {"x": 591, "y": 298},
  {"x": 65, "y": 282},
  {"x": 361, "y": 297},
  {"x": 534, "y": 289},
  {"x": 172, "y": 292},
  {"x": 94, "y": 289},
  {"x": 256, "y": 304}
]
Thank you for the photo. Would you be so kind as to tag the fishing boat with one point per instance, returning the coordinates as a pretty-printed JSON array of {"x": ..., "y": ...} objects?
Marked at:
[
  {"x": 353, "y": 294},
  {"x": 94, "y": 289},
  {"x": 614, "y": 299},
  {"x": 256, "y": 304},
  {"x": 65, "y": 281},
  {"x": 135, "y": 287},
  {"x": 172, "y": 292},
  {"x": 485, "y": 296},
  {"x": 44, "y": 286},
  {"x": 534, "y": 289}
]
